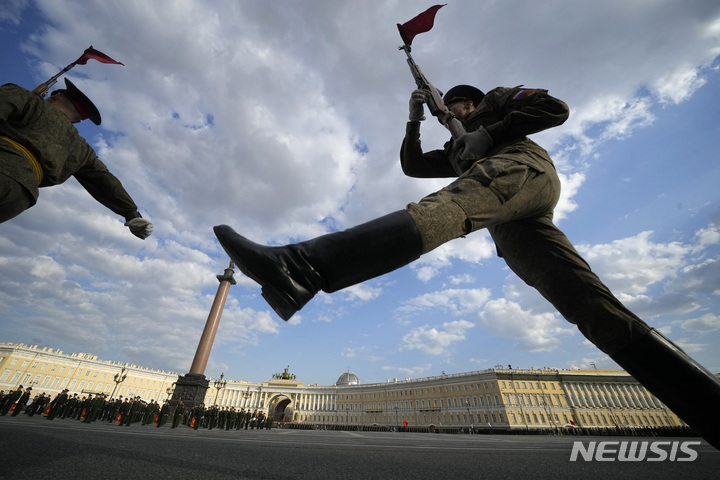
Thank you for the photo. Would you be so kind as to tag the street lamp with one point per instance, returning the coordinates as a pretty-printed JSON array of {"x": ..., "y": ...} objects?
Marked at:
[
  {"x": 467, "y": 407},
  {"x": 219, "y": 385},
  {"x": 118, "y": 378},
  {"x": 397, "y": 423},
  {"x": 169, "y": 392},
  {"x": 246, "y": 394}
]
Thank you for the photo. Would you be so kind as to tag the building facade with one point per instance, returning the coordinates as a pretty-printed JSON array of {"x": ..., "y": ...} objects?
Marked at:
[
  {"x": 51, "y": 371},
  {"x": 497, "y": 398}
]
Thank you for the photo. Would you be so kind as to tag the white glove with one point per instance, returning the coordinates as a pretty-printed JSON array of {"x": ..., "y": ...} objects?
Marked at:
[
  {"x": 471, "y": 147},
  {"x": 417, "y": 100},
  {"x": 140, "y": 227}
]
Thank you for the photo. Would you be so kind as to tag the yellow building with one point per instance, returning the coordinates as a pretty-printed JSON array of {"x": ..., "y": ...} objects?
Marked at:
[
  {"x": 497, "y": 398},
  {"x": 50, "y": 371},
  {"x": 509, "y": 399}
]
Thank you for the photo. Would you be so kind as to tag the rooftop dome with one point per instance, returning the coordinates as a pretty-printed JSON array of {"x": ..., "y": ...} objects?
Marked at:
[{"x": 347, "y": 378}]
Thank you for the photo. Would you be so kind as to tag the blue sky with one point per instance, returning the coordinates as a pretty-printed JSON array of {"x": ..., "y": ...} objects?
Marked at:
[{"x": 284, "y": 120}]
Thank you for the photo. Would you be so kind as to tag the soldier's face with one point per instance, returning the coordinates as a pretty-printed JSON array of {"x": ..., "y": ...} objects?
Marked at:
[{"x": 461, "y": 109}]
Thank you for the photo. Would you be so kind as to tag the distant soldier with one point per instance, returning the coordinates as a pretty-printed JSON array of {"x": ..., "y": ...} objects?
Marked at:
[
  {"x": 197, "y": 415},
  {"x": 231, "y": 418},
  {"x": 10, "y": 399},
  {"x": 178, "y": 414},
  {"x": 164, "y": 413},
  {"x": 22, "y": 401}
]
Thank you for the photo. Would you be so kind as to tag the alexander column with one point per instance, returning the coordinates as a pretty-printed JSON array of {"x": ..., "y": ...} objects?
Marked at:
[{"x": 192, "y": 387}]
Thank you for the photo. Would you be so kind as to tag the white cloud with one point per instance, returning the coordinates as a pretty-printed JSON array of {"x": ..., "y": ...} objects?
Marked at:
[
  {"x": 453, "y": 301},
  {"x": 409, "y": 372},
  {"x": 533, "y": 332},
  {"x": 679, "y": 85},
  {"x": 432, "y": 341},
  {"x": 708, "y": 322},
  {"x": 630, "y": 265}
]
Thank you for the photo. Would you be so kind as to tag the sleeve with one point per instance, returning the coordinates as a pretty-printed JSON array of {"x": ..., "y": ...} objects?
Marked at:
[
  {"x": 106, "y": 189},
  {"x": 12, "y": 103},
  {"x": 415, "y": 163},
  {"x": 524, "y": 111}
]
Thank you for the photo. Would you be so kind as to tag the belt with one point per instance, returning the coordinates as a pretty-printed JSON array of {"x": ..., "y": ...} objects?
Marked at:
[{"x": 27, "y": 154}]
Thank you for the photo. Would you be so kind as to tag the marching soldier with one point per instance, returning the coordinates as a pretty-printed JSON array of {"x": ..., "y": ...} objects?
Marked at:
[
  {"x": 178, "y": 414},
  {"x": 40, "y": 147}
]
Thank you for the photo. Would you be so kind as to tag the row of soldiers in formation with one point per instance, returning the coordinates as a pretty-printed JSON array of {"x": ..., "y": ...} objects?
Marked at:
[{"x": 127, "y": 411}]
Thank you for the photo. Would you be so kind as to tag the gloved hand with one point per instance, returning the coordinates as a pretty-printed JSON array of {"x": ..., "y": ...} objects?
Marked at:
[
  {"x": 474, "y": 145},
  {"x": 471, "y": 147},
  {"x": 417, "y": 99},
  {"x": 140, "y": 227}
]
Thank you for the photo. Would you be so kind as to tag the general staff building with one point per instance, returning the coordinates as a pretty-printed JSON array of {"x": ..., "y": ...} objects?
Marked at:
[{"x": 498, "y": 398}]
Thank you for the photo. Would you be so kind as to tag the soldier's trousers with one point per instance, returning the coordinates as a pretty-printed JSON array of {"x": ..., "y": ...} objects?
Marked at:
[{"x": 515, "y": 203}]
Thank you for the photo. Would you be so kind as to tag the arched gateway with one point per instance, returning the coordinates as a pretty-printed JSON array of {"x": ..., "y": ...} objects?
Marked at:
[{"x": 280, "y": 408}]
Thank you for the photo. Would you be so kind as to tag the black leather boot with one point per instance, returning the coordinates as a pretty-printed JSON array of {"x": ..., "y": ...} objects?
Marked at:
[
  {"x": 682, "y": 384},
  {"x": 291, "y": 275}
]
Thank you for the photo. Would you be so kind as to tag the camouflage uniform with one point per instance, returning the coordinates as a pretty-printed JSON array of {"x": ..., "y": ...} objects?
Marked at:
[{"x": 40, "y": 147}]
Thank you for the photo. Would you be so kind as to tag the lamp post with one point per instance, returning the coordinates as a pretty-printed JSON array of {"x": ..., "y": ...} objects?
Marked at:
[
  {"x": 246, "y": 394},
  {"x": 219, "y": 385},
  {"x": 118, "y": 378},
  {"x": 467, "y": 407},
  {"x": 397, "y": 422},
  {"x": 169, "y": 391}
]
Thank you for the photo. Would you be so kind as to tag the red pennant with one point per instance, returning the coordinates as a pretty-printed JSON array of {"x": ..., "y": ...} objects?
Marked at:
[
  {"x": 92, "y": 54},
  {"x": 420, "y": 24}
]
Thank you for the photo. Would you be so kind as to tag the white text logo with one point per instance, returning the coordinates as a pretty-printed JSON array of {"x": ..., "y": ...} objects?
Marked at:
[{"x": 628, "y": 451}]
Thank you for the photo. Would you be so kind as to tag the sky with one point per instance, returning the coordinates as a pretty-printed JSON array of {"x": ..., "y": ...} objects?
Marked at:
[{"x": 284, "y": 120}]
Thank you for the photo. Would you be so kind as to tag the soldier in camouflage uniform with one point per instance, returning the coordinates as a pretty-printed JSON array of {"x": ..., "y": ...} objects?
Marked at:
[
  {"x": 506, "y": 183},
  {"x": 40, "y": 147}
]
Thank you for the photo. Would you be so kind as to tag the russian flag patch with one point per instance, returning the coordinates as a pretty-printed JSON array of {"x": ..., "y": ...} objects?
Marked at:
[{"x": 525, "y": 92}]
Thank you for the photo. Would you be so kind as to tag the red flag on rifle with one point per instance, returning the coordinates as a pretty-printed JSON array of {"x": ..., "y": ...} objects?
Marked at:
[
  {"x": 420, "y": 24},
  {"x": 92, "y": 54}
]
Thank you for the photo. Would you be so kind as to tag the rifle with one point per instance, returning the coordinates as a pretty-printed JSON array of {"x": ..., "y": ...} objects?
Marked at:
[
  {"x": 435, "y": 102},
  {"x": 44, "y": 88},
  {"x": 89, "y": 53}
]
